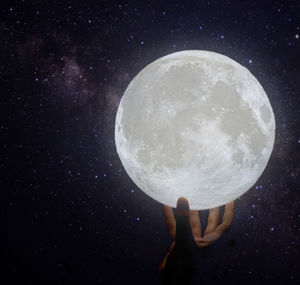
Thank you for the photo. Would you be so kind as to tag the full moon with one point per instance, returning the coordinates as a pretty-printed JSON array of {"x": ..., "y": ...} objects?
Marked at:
[{"x": 195, "y": 124}]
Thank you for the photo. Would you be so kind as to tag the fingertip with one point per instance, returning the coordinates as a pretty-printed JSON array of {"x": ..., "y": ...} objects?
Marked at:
[
  {"x": 230, "y": 205},
  {"x": 182, "y": 208},
  {"x": 182, "y": 204}
]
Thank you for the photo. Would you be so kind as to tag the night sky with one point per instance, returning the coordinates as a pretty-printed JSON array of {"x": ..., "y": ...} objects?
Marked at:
[{"x": 70, "y": 213}]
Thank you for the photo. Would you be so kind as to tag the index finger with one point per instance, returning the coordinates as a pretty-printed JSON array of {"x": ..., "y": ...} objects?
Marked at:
[{"x": 184, "y": 236}]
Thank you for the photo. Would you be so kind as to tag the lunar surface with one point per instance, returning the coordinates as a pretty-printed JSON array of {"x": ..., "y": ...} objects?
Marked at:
[{"x": 195, "y": 124}]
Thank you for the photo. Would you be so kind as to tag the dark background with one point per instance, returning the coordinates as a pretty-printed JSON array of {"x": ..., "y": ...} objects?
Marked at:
[{"x": 70, "y": 213}]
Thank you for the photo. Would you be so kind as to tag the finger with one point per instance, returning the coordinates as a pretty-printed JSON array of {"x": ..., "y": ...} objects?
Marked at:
[
  {"x": 213, "y": 220},
  {"x": 170, "y": 221},
  {"x": 183, "y": 207},
  {"x": 208, "y": 239},
  {"x": 211, "y": 237},
  {"x": 195, "y": 224},
  {"x": 184, "y": 236},
  {"x": 227, "y": 218}
]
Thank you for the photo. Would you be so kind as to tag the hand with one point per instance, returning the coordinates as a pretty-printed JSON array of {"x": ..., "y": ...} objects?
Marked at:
[{"x": 213, "y": 231}]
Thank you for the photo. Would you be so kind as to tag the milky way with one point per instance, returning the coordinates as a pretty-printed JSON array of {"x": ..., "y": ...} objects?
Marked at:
[{"x": 70, "y": 212}]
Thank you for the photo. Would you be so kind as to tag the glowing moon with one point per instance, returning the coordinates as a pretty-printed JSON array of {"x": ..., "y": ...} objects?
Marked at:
[{"x": 195, "y": 124}]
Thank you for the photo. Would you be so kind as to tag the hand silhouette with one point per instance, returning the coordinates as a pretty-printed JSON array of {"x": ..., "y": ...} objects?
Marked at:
[{"x": 186, "y": 225}]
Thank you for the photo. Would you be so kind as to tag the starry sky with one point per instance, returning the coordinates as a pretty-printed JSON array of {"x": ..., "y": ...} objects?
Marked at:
[{"x": 70, "y": 214}]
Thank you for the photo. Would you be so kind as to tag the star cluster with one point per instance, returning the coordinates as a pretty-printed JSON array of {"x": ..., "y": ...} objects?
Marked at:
[{"x": 70, "y": 212}]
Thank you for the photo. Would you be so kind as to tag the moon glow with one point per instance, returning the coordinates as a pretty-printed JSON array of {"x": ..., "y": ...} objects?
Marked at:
[{"x": 195, "y": 124}]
